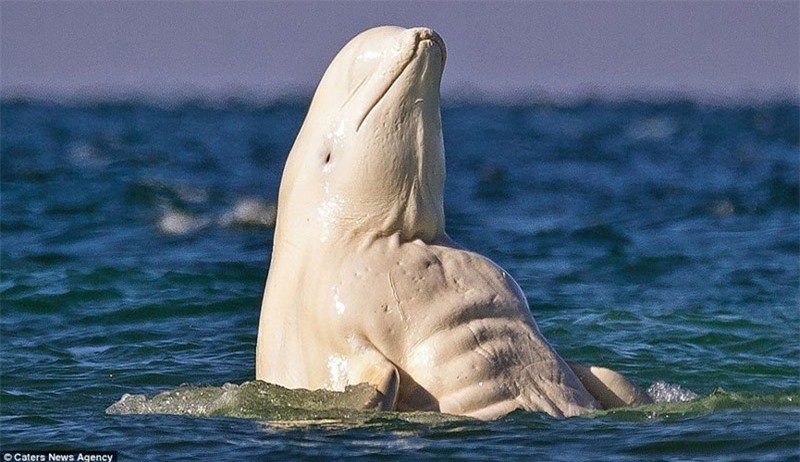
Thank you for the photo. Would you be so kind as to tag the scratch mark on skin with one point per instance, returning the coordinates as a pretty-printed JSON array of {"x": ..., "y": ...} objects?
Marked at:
[
  {"x": 479, "y": 348},
  {"x": 437, "y": 260},
  {"x": 545, "y": 403},
  {"x": 397, "y": 300}
]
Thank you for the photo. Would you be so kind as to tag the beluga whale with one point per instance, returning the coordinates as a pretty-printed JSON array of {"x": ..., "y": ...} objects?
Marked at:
[{"x": 365, "y": 285}]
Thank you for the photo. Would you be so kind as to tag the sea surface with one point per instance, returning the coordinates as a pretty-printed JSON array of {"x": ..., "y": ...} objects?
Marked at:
[{"x": 660, "y": 238}]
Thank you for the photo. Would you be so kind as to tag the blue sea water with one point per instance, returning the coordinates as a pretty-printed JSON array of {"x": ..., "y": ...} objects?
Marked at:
[{"x": 657, "y": 238}]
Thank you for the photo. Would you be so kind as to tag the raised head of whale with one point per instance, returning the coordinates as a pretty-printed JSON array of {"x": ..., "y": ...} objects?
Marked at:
[
  {"x": 365, "y": 285},
  {"x": 370, "y": 150}
]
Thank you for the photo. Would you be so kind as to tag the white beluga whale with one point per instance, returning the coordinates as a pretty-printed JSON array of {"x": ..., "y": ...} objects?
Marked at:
[{"x": 365, "y": 286}]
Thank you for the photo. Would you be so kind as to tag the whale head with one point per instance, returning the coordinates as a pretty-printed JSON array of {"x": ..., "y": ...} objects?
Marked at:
[{"x": 369, "y": 157}]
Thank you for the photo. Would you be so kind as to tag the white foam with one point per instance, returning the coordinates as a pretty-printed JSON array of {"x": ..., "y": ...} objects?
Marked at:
[
  {"x": 179, "y": 223},
  {"x": 338, "y": 370},
  {"x": 663, "y": 392},
  {"x": 250, "y": 212}
]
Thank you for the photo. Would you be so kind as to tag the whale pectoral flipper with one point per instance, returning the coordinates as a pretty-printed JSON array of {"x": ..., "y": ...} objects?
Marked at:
[
  {"x": 379, "y": 372},
  {"x": 608, "y": 387}
]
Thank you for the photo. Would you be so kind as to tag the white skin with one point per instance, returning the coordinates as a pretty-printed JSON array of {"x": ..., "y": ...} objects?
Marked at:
[{"x": 365, "y": 285}]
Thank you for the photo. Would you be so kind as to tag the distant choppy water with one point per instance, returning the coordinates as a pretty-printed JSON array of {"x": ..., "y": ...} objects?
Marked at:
[{"x": 661, "y": 240}]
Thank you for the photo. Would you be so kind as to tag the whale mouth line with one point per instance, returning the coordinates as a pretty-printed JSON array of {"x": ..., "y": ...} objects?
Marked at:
[
  {"x": 434, "y": 39},
  {"x": 437, "y": 39}
]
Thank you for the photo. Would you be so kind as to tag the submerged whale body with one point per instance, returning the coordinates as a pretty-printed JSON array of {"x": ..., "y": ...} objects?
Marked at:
[{"x": 365, "y": 286}]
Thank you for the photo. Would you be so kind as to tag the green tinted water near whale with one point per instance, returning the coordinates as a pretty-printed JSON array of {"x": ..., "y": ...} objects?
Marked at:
[{"x": 261, "y": 400}]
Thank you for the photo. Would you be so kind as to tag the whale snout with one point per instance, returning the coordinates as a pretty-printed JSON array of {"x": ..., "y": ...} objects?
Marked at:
[{"x": 422, "y": 34}]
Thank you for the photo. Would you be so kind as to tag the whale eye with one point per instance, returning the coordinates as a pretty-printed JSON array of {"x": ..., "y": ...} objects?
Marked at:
[{"x": 328, "y": 158}]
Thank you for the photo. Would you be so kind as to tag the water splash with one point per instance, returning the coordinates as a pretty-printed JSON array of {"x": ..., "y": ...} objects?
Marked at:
[
  {"x": 672, "y": 401},
  {"x": 357, "y": 404},
  {"x": 178, "y": 223},
  {"x": 663, "y": 392},
  {"x": 254, "y": 399},
  {"x": 250, "y": 212},
  {"x": 245, "y": 213}
]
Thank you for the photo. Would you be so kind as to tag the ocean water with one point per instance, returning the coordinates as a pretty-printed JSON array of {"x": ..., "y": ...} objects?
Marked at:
[{"x": 660, "y": 239}]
